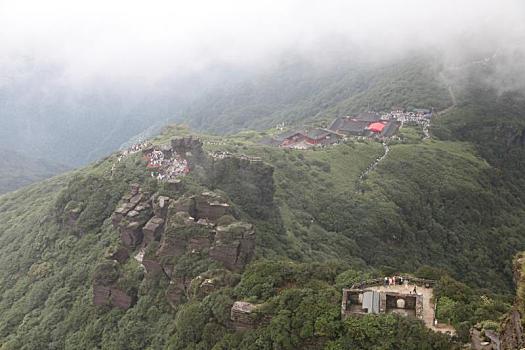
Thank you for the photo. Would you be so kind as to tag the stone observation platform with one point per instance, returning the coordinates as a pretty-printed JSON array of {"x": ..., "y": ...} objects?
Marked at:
[{"x": 413, "y": 297}]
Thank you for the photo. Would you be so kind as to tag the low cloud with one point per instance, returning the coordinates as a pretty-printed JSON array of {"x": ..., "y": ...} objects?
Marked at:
[{"x": 123, "y": 39}]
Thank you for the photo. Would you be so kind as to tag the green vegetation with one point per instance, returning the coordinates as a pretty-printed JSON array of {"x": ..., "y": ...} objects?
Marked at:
[
  {"x": 454, "y": 203},
  {"x": 299, "y": 92},
  {"x": 18, "y": 170}
]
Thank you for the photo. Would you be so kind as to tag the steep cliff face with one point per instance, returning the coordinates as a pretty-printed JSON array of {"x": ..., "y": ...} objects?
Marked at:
[
  {"x": 512, "y": 336},
  {"x": 106, "y": 288},
  {"x": 248, "y": 182},
  {"x": 177, "y": 237}
]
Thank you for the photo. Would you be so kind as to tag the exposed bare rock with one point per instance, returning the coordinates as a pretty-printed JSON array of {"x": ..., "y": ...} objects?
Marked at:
[
  {"x": 134, "y": 189},
  {"x": 176, "y": 291},
  {"x": 174, "y": 185},
  {"x": 150, "y": 259},
  {"x": 111, "y": 296},
  {"x": 242, "y": 315},
  {"x": 511, "y": 335},
  {"x": 210, "y": 206},
  {"x": 199, "y": 243},
  {"x": 234, "y": 245},
  {"x": 172, "y": 247},
  {"x": 152, "y": 266},
  {"x": 207, "y": 286},
  {"x": 172, "y": 243},
  {"x": 136, "y": 198},
  {"x": 101, "y": 295},
  {"x": 105, "y": 289},
  {"x": 134, "y": 211},
  {"x": 211, "y": 281},
  {"x": 153, "y": 229},
  {"x": 72, "y": 212},
  {"x": 186, "y": 145},
  {"x": 121, "y": 212},
  {"x": 120, "y": 254},
  {"x": 120, "y": 299},
  {"x": 183, "y": 204},
  {"x": 131, "y": 235},
  {"x": 160, "y": 206}
]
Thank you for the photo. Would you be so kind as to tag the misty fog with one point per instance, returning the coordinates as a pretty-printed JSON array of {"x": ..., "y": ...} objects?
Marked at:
[{"x": 78, "y": 79}]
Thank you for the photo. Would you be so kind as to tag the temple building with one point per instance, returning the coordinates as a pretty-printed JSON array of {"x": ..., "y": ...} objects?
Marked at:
[{"x": 407, "y": 296}]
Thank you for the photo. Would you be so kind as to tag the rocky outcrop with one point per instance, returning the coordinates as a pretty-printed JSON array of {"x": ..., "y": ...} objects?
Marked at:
[
  {"x": 511, "y": 335},
  {"x": 247, "y": 182},
  {"x": 140, "y": 218},
  {"x": 176, "y": 292},
  {"x": 106, "y": 291},
  {"x": 187, "y": 146},
  {"x": 478, "y": 341},
  {"x": 242, "y": 315},
  {"x": 119, "y": 254},
  {"x": 152, "y": 231},
  {"x": 211, "y": 281},
  {"x": 72, "y": 213},
  {"x": 197, "y": 226},
  {"x": 234, "y": 245},
  {"x": 160, "y": 206},
  {"x": 209, "y": 206}
]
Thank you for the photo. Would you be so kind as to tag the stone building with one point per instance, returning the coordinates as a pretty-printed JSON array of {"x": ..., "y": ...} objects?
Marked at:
[
  {"x": 413, "y": 297},
  {"x": 363, "y": 301}
]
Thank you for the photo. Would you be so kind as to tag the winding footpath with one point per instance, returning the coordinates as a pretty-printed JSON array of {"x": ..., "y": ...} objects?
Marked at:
[
  {"x": 426, "y": 132},
  {"x": 450, "y": 92},
  {"x": 374, "y": 164}
]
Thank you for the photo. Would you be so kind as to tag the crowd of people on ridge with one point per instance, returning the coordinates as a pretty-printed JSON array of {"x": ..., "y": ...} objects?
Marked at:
[{"x": 399, "y": 281}]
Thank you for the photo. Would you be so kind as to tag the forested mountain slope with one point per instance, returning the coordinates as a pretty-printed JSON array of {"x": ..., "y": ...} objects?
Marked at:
[
  {"x": 301, "y": 91},
  {"x": 17, "y": 170},
  {"x": 448, "y": 208}
]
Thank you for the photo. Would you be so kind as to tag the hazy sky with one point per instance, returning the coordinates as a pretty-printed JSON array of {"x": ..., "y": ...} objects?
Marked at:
[{"x": 129, "y": 38}]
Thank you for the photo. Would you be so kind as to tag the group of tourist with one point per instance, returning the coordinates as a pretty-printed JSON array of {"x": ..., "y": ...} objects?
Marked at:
[
  {"x": 398, "y": 281},
  {"x": 395, "y": 280},
  {"x": 138, "y": 147},
  {"x": 155, "y": 159},
  {"x": 169, "y": 169},
  {"x": 415, "y": 117},
  {"x": 224, "y": 154},
  {"x": 178, "y": 167}
]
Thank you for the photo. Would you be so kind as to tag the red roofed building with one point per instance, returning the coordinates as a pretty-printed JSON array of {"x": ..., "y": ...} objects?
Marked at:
[{"x": 376, "y": 127}]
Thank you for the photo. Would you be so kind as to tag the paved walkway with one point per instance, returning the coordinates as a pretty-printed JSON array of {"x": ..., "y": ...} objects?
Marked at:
[{"x": 374, "y": 164}]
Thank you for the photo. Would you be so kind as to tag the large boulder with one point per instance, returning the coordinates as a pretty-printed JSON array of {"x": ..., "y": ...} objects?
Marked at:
[
  {"x": 210, "y": 206},
  {"x": 133, "y": 212},
  {"x": 242, "y": 315},
  {"x": 160, "y": 206},
  {"x": 176, "y": 292},
  {"x": 234, "y": 245},
  {"x": 119, "y": 254},
  {"x": 131, "y": 234},
  {"x": 153, "y": 229},
  {"x": 187, "y": 145},
  {"x": 101, "y": 295},
  {"x": 106, "y": 291},
  {"x": 120, "y": 299}
]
